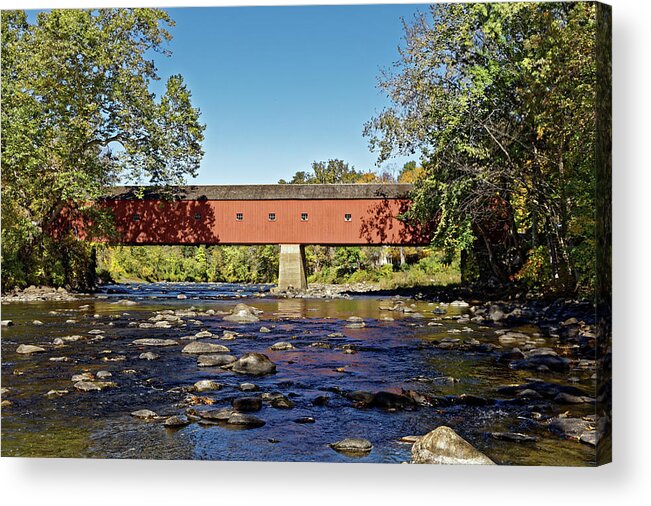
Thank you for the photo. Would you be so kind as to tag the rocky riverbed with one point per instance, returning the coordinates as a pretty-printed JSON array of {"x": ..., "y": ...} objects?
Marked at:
[{"x": 234, "y": 372}]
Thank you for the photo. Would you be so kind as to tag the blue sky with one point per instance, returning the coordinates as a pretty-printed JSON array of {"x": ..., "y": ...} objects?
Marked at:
[{"x": 280, "y": 87}]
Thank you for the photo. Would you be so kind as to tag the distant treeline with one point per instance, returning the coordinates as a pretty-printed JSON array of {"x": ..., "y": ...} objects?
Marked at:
[{"x": 388, "y": 266}]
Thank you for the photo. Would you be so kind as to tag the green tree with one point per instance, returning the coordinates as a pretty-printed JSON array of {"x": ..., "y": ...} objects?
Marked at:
[
  {"x": 78, "y": 113},
  {"x": 333, "y": 171},
  {"x": 499, "y": 99}
]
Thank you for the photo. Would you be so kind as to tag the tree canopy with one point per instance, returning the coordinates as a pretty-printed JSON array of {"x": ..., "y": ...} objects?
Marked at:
[
  {"x": 500, "y": 101},
  {"x": 79, "y": 112}
]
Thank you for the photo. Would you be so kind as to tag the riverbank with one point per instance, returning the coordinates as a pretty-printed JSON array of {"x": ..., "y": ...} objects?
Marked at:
[{"x": 41, "y": 293}]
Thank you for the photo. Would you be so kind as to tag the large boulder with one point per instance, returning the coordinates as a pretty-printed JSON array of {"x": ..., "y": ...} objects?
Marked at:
[
  {"x": 243, "y": 314},
  {"x": 256, "y": 364},
  {"x": 444, "y": 446}
]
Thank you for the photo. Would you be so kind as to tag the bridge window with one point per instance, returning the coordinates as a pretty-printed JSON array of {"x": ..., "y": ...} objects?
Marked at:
[
  {"x": 239, "y": 216},
  {"x": 272, "y": 216},
  {"x": 197, "y": 216},
  {"x": 303, "y": 216},
  {"x": 348, "y": 217},
  {"x": 136, "y": 217}
]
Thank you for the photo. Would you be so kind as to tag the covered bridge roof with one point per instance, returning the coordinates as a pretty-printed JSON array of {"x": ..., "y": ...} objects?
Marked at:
[{"x": 353, "y": 191}]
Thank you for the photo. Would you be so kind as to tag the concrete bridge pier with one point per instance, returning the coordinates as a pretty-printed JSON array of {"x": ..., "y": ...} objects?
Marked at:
[{"x": 292, "y": 272}]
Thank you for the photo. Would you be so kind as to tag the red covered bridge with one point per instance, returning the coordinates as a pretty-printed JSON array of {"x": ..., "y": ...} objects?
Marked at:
[{"x": 289, "y": 215}]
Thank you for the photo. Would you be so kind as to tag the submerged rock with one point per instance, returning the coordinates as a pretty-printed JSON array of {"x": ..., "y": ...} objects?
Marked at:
[
  {"x": 444, "y": 446},
  {"x": 515, "y": 437},
  {"x": 570, "y": 428},
  {"x": 549, "y": 362},
  {"x": 244, "y": 420},
  {"x": 247, "y": 404},
  {"x": 221, "y": 415},
  {"x": 255, "y": 364}
]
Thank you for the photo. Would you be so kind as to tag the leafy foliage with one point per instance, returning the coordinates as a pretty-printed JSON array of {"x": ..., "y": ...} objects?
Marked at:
[
  {"x": 500, "y": 101},
  {"x": 78, "y": 113}
]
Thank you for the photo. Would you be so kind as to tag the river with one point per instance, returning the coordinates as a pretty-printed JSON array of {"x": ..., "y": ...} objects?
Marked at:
[{"x": 395, "y": 351}]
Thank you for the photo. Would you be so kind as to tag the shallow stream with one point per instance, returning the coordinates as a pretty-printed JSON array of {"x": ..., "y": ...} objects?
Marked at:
[{"x": 388, "y": 355}]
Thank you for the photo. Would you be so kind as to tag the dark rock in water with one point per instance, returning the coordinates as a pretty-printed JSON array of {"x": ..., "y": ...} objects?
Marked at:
[
  {"x": 255, "y": 364},
  {"x": 515, "y": 437},
  {"x": 552, "y": 362},
  {"x": 417, "y": 397},
  {"x": 361, "y": 397},
  {"x": 571, "y": 428},
  {"x": 528, "y": 394},
  {"x": 565, "y": 398},
  {"x": 218, "y": 360},
  {"x": 320, "y": 400},
  {"x": 243, "y": 420},
  {"x": 247, "y": 404},
  {"x": 221, "y": 415},
  {"x": 547, "y": 390},
  {"x": 176, "y": 421},
  {"x": 391, "y": 402},
  {"x": 352, "y": 446},
  {"x": 590, "y": 437},
  {"x": 514, "y": 354},
  {"x": 471, "y": 400},
  {"x": 305, "y": 419},
  {"x": 444, "y": 446},
  {"x": 282, "y": 402}
]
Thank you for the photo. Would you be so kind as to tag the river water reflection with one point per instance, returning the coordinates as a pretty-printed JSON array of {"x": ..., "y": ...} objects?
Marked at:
[{"x": 395, "y": 351}]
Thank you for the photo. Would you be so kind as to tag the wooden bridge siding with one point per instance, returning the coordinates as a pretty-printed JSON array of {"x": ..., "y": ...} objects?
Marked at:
[{"x": 173, "y": 222}]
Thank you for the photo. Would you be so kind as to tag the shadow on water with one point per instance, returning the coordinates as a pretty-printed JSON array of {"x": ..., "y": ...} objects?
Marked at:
[{"x": 385, "y": 354}]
